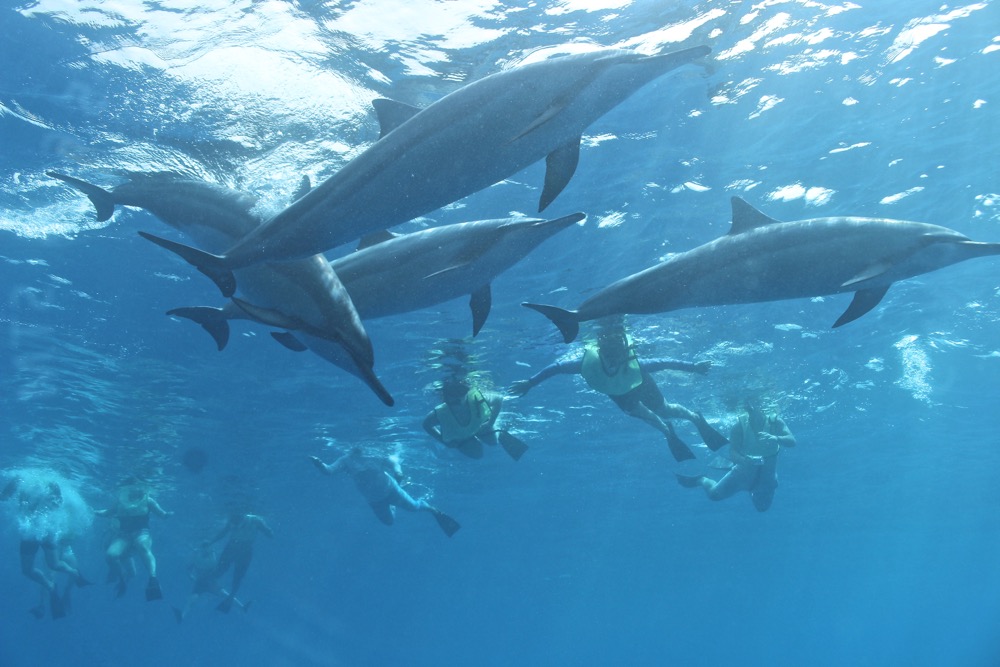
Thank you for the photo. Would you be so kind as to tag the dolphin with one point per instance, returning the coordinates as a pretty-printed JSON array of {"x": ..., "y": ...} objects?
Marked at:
[
  {"x": 392, "y": 274},
  {"x": 304, "y": 295},
  {"x": 427, "y": 158},
  {"x": 763, "y": 259}
]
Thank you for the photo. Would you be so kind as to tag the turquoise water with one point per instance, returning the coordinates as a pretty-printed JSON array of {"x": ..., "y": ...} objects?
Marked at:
[{"x": 881, "y": 545}]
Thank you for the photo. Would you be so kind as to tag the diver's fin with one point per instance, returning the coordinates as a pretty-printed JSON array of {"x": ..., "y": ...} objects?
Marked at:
[
  {"x": 391, "y": 114},
  {"x": 289, "y": 340},
  {"x": 178, "y": 614},
  {"x": 678, "y": 447},
  {"x": 480, "y": 303},
  {"x": 56, "y": 605},
  {"x": 225, "y": 605},
  {"x": 864, "y": 300},
  {"x": 514, "y": 446},
  {"x": 103, "y": 200},
  {"x": 559, "y": 168},
  {"x": 213, "y": 266},
  {"x": 448, "y": 525},
  {"x": 305, "y": 185},
  {"x": 712, "y": 438},
  {"x": 153, "y": 591},
  {"x": 566, "y": 320},
  {"x": 375, "y": 238},
  {"x": 212, "y": 320},
  {"x": 268, "y": 316},
  {"x": 746, "y": 218}
]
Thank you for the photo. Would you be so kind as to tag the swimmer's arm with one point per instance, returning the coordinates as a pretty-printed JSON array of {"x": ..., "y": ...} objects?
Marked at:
[
  {"x": 784, "y": 435},
  {"x": 567, "y": 367},
  {"x": 262, "y": 526},
  {"x": 155, "y": 508},
  {"x": 430, "y": 421},
  {"x": 668, "y": 364},
  {"x": 329, "y": 468}
]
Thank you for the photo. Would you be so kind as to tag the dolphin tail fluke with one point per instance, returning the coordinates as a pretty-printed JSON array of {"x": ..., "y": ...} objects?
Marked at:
[
  {"x": 212, "y": 320},
  {"x": 213, "y": 266},
  {"x": 102, "y": 200},
  {"x": 567, "y": 321}
]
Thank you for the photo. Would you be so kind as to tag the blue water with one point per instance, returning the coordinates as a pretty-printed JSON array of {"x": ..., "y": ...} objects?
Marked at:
[{"x": 882, "y": 543}]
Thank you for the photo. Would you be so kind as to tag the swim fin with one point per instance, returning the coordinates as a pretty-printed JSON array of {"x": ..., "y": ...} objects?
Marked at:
[
  {"x": 514, "y": 446},
  {"x": 678, "y": 447},
  {"x": 153, "y": 591},
  {"x": 225, "y": 605},
  {"x": 712, "y": 438},
  {"x": 448, "y": 525},
  {"x": 56, "y": 604}
]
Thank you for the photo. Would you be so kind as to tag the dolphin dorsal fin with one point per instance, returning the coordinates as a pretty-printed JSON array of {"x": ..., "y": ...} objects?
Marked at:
[
  {"x": 375, "y": 238},
  {"x": 391, "y": 114},
  {"x": 746, "y": 218},
  {"x": 305, "y": 185}
]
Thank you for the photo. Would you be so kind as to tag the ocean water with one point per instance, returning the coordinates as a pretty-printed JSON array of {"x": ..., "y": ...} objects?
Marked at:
[{"x": 882, "y": 542}]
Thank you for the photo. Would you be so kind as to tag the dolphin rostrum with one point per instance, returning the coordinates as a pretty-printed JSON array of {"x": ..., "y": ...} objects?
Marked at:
[
  {"x": 427, "y": 158},
  {"x": 304, "y": 295},
  {"x": 763, "y": 259}
]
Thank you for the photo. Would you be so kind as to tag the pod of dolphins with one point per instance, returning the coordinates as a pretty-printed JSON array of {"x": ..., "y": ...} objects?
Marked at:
[{"x": 476, "y": 136}]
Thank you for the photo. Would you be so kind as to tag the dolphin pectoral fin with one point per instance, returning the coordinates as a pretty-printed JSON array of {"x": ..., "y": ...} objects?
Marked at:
[
  {"x": 873, "y": 271},
  {"x": 213, "y": 266},
  {"x": 289, "y": 341},
  {"x": 212, "y": 320},
  {"x": 560, "y": 166},
  {"x": 480, "y": 303},
  {"x": 305, "y": 185},
  {"x": 542, "y": 119},
  {"x": 391, "y": 114},
  {"x": 375, "y": 238},
  {"x": 864, "y": 300},
  {"x": 268, "y": 316},
  {"x": 567, "y": 321},
  {"x": 102, "y": 200}
]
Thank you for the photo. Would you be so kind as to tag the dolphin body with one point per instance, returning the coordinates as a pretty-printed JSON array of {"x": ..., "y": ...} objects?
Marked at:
[
  {"x": 304, "y": 295},
  {"x": 414, "y": 271},
  {"x": 763, "y": 259},
  {"x": 428, "y": 158}
]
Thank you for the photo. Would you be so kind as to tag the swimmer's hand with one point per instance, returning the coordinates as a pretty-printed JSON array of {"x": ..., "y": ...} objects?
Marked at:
[
  {"x": 702, "y": 367},
  {"x": 519, "y": 388},
  {"x": 319, "y": 464}
]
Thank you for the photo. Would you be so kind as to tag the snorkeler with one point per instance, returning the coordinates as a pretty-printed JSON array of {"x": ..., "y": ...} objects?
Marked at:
[
  {"x": 755, "y": 442},
  {"x": 242, "y": 529},
  {"x": 131, "y": 518},
  {"x": 203, "y": 570},
  {"x": 378, "y": 478},
  {"x": 611, "y": 366},
  {"x": 44, "y": 523},
  {"x": 467, "y": 419}
]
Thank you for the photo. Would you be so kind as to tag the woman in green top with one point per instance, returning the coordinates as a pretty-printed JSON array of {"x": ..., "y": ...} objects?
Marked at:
[
  {"x": 467, "y": 419},
  {"x": 755, "y": 442},
  {"x": 610, "y": 366}
]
